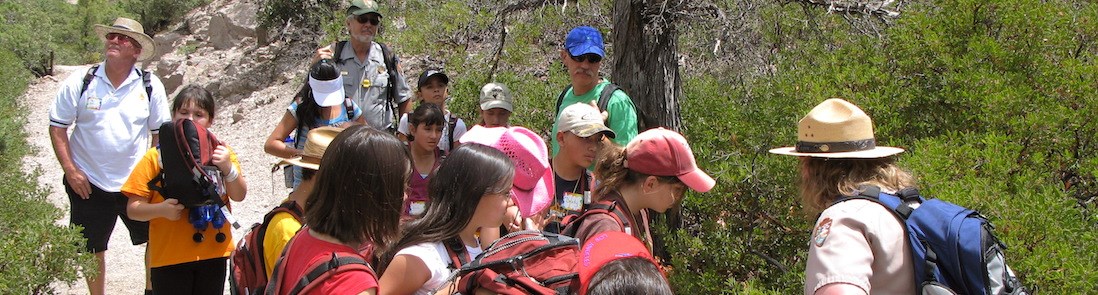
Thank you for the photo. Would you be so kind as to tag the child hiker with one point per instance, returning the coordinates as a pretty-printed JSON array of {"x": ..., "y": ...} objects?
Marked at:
[
  {"x": 433, "y": 89},
  {"x": 427, "y": 121},
  {"x": 181, "y": 262}
]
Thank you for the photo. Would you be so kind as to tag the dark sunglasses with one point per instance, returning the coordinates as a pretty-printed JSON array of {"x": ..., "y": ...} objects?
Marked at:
[
  {"x": 123, "y": 37},
  {"x": 590, "y": 57},
  {"x": 367, "y": 18}
]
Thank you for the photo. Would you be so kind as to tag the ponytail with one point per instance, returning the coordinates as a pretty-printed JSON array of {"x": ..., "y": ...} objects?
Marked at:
[{"x": 610, "y": 169}]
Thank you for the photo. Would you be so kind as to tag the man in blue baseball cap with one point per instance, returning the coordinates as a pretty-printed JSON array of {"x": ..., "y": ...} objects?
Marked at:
[{"x": 582, "y": 55}]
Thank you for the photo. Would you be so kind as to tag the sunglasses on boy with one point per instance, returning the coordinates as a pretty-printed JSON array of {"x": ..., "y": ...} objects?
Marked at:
[
  {"x": 368, "y": 18},
  {"x": 590, "y": 57}
]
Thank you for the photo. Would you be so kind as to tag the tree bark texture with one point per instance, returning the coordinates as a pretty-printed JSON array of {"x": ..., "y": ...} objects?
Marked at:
[{"x": 645, "y": 61}]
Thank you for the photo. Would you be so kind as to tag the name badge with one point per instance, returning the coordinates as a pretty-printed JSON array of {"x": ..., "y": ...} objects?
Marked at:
[
  {"x": 94, "y": 103},
  {"x": 417, "y": 208},
  {"x": 572, "y": 201}
]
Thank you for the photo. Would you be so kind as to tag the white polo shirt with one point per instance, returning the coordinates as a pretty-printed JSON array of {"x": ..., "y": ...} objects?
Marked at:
[{"x": 111, "y": 126}]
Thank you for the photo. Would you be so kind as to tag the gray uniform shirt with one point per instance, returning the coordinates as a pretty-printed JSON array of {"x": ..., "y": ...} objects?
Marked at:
[{"x": 367, "y": 83}]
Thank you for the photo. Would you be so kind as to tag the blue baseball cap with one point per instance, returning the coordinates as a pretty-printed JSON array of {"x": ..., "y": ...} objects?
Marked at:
[{"x": 583, "y": 40}]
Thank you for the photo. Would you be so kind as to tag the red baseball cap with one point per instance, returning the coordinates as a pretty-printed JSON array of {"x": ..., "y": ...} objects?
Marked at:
[
  {"x": 663, "y": 152},
  {"x": 605, "y": 247}
]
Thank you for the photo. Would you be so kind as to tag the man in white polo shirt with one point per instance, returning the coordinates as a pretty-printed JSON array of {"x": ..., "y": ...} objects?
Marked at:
[{"x": 115, "y": 112}]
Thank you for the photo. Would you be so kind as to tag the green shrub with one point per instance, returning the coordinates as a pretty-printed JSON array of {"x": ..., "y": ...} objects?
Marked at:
[
  {"x": 36, "y": 251},
  {"x": 156, "y": 15}
]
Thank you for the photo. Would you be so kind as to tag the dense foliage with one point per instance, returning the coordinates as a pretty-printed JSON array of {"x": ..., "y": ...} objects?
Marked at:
[
  {"x": 35, "y": 251},
  {"x": 994, "y": 101}
]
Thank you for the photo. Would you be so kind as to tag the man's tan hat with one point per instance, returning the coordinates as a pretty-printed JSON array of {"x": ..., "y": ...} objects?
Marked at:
[
  {"x": 130, "y": 28},
  {"x": 316, "y": 143},
  {"x": 837, "y": 129}
]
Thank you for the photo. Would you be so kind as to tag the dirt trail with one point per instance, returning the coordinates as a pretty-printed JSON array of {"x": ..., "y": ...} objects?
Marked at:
[{"x": 257, "y": 114}]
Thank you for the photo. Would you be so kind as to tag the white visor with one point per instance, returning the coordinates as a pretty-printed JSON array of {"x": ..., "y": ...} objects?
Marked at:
[{"x": 327, "y": 93}]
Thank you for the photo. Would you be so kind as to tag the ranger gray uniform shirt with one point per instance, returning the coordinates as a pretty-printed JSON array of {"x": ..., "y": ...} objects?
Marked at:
[{"x": 367, "y": 83}]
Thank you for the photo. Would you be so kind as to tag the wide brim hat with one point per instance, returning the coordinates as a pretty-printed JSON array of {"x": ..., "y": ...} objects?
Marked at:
[
  {"x": 662, "y": 152},
  {"x": 317, "y": 141},
  {"x": 605, "y": 247},
  {"x": 836, "y": 128},
  {"x": 533, "y": 183},
  {"x": 130, "y": 28}
]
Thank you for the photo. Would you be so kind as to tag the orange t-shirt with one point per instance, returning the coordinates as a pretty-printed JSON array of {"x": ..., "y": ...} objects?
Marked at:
[{"x": 170, "y": 242}]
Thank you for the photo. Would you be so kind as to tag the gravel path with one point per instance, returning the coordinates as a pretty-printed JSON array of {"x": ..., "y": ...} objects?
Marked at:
[{"x": 257, "y": 115}]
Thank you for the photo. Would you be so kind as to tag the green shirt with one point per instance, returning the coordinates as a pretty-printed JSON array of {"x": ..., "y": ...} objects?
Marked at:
[{"x": 622, "y": 114}]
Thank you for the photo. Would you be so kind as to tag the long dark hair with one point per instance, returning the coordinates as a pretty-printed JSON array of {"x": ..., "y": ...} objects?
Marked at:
[
  {"x": 467, "y": 174},
  {"x": 360, "y": 187}
]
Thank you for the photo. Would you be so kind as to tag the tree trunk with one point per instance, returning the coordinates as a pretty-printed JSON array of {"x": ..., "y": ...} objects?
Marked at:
[
  {"x": 645, "y": 61},
  {"x": 646, "y": 66}
]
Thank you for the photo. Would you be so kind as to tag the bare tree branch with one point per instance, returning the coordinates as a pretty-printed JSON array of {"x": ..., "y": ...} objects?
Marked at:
[{"x": 879, "y": 8}]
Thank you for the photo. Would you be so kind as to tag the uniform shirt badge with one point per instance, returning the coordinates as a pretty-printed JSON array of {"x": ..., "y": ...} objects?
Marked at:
[{"x": 819, "y": 235}]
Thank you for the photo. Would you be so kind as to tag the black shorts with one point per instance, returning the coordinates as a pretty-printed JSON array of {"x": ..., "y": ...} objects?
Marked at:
[
  {"x": 197, "y": 277},
  {"x": 98, "y": 214}
]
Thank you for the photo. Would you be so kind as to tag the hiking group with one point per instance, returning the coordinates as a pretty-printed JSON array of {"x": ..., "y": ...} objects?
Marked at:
[{"x": 387, "y": 199}]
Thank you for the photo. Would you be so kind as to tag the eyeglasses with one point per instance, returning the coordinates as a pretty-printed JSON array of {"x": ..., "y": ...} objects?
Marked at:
[
  {"x": 590, "y": 57},
  {"x": 123, "y": 38},
  {"x": 367, "y": 18}
]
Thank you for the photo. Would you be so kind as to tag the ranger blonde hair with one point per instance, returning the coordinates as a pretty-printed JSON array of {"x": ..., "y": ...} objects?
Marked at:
[{"x": 823, "y": 180}]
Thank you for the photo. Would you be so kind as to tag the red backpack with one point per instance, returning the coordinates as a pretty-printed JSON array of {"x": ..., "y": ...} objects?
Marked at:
[
  {"x": 247, "y": 266},
  {"x": 522, "y": 262},
  {"x": 317, "y": 272},
  {"x": 571, "y": 223},
  {"x": 186, "y": 157}
]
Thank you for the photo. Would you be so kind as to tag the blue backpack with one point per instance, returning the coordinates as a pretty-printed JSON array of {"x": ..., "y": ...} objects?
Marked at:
[{"x": 954, "y": 249}]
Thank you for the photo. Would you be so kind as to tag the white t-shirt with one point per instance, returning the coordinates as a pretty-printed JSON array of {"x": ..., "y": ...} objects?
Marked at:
[
  {"x": 443, "y": 143},
  {"x": 434, "y": 255},
  {"x": 110, "y": 127}
]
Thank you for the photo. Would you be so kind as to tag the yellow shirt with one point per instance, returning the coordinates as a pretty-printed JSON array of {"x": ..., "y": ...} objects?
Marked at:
[
  {"x": 282, "y": 228},
  {"x": 170, "y": 242}
]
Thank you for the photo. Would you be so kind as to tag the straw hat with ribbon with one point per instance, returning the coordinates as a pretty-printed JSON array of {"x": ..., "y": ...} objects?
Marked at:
[
  {"x": 316, "y": 143},
  {"x": 837, "y": 129},
  {"x": 130, "y": 28}
]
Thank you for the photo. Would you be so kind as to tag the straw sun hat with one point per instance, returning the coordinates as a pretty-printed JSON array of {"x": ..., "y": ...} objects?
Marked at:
[
  {"x": 130, "y": 28},
  {"x": 315, "y": 145},
  {"x": 837, "y": 129}
]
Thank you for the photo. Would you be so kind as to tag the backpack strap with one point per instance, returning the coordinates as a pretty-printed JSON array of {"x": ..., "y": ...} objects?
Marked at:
[
  {"x": 146, "y": 80},
  {"x": 338, "y": 51},
  {"x": 88, "y": 78},
  {"x": 451, "y": 124},
  {"x": 456, "y": 249},
  {"x": 608, "y": 208},
  {"x": 560, "y": 99},
  {"x": 318, "y": 272},
  {"x": 349, "y": 106},
  {"x": 340, "y": 262},
  {"x": 391, "y": 61},
  {"x": 900, "y": 207},
  {"x": 606, "y": 94}
]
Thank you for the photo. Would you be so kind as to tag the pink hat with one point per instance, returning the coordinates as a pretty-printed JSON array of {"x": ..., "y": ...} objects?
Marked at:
[
  {"x": 605, "y": 247},
  {"x": 663, "y": 152},
  {"x": 533, "y": 178}
]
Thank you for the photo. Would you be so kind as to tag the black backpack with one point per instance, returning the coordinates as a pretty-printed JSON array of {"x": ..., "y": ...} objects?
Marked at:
[
  {"x": 390, "y": 66},
  {"x": 954, "y": 248},
  {"x": 187, "y": 172},
  {"x": 604, "y": 100}
]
